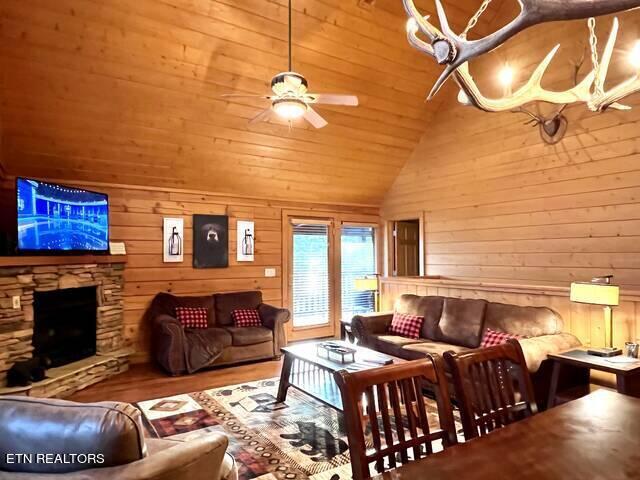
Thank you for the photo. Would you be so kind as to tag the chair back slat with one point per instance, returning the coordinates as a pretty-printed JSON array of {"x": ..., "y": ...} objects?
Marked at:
[
  {"x": 385, "y": 408},
  {"x": 386, "y": 422},
  {"x": 493, "y": 387},
  {"x": 397, "y": 416}
]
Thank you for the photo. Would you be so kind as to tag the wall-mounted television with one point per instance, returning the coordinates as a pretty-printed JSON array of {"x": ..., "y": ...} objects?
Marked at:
[{"x": 58, "y": 219}]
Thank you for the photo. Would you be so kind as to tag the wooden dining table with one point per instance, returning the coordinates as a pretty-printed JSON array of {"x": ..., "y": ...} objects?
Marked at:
[{"x": 596, "y": 437}]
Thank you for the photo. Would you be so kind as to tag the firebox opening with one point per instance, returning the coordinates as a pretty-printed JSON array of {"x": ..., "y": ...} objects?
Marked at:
[{"x": 65, "y": 325}]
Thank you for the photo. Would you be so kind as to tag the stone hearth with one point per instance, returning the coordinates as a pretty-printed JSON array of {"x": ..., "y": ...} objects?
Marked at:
[{"x": 16, "y": 325}]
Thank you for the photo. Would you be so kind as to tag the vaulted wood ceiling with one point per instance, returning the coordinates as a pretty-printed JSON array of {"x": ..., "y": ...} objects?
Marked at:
[{"x": 128, "y": 92}]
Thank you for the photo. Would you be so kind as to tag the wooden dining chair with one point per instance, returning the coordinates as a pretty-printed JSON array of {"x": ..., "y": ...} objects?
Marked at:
[
  {"x": 385, "y": 415},
  {"x": 492, "y": 386}
]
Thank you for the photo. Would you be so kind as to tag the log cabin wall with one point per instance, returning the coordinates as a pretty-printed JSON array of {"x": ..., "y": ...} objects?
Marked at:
[
  {"x": 502, "y": 207},
  {"x": 130, "y": 92},
  {"x": 136, "y": 217}
]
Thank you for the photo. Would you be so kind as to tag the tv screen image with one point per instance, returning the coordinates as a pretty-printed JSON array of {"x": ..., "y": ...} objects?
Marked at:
[{"x": 58, "y": 218}]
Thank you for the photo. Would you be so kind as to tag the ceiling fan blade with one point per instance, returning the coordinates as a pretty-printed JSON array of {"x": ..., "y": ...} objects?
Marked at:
[
  {"x": 333, "y": 99},
  {"x": 261, "y": 117},
  {"x": 314, "y": 118},
  {"x": 242, "y": 95}
]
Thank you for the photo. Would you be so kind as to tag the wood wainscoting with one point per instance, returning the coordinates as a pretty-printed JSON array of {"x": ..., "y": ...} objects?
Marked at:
[{"x": 584, "y": 321}]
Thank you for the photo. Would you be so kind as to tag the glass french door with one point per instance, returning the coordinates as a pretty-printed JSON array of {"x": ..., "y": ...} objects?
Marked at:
[
  {"x": 358, "y": 260},
  {"x": 310, "y": 279}
]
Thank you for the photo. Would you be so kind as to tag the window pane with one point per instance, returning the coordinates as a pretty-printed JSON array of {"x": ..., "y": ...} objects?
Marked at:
[
  {"x": 358, "y": 260},
  {"x": 310, "y": 275}
]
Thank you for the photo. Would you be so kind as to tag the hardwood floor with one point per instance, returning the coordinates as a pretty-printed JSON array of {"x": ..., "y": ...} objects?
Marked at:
[{"x": 146, "y": 381}]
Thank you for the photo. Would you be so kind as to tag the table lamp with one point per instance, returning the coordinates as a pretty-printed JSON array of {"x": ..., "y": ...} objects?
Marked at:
[
  {"x": 369, "y": 284},
  {"x": 600, "y": 291}
]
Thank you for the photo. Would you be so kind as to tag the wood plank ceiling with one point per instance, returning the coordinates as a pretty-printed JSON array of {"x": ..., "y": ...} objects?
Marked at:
[{"x": 128, "y": 92}]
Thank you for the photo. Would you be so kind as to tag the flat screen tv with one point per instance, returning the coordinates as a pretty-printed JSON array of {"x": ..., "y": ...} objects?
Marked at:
[{"x": 58, "y": 219}]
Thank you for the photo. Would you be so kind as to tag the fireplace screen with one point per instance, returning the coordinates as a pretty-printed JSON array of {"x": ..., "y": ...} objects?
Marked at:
[{"x": 65, "y": 325}]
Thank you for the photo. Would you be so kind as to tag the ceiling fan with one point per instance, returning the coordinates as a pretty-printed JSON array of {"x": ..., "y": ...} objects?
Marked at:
[{"x": 291, "y": 100}]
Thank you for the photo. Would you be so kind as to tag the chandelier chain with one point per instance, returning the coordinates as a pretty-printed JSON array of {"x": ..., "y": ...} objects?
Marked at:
[
  {"x": 474, "y": 20},
  {"x": 598, "y": 88}
]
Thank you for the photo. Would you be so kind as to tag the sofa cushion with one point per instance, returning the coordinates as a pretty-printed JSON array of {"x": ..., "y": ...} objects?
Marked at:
[
  {"x": 225, "y": 303},
  {"x": 462, "y": 322},
  {"x": 406, "y": 325},
  {"x": 51, "y": 426},
  {"x": 211, "y": 335},
  {"x": 428, "y": 307},
  {"x": 165, "y": 303},
  {"x": 492, "y": 338},
  {"x": 246, "y": 317},
  {"x": 431, "y": 348},
  {"x": 192, "y": 317},
  {"x": 524, "y": 321},
  {"x": 398, "y": 340},
  {"x": 242, "y": 336},
  {"x": 389, "y": 344}
]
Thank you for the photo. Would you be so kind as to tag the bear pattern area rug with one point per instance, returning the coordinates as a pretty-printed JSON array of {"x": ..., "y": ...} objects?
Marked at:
[{"x": 295, "y": 440}]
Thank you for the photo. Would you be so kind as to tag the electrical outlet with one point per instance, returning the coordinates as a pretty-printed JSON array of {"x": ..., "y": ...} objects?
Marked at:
[
  {"x": 269, "y": 272},
  {"x": 16, "y": 301}
]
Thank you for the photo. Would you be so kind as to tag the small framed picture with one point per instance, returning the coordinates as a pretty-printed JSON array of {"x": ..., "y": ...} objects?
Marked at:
[
  {"x": 245, "y": 241},
  {"x": 173, "y": 240}
]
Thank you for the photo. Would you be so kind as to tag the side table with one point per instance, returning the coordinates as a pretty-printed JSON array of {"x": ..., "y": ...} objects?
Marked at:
[{"x": 627, "y": 374}]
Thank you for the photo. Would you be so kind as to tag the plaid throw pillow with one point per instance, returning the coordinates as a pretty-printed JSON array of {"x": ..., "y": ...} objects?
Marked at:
[
  {"x": 192, "y": 317},
  {"x": 406, "y": 325},
  {"x": 492, "y": 338},
  {"x": 246, "y": 317}
]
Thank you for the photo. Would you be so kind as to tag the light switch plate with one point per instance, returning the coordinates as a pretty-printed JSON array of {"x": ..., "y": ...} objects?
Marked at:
[
  {"x": 15, "y": 301},
  {"x": 269, "y": 272}
]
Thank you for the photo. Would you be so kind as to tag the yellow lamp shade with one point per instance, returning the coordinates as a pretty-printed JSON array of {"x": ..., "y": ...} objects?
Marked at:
[
  {"x": 366, "y": 284},
  {"x": 595, "y": 293}
]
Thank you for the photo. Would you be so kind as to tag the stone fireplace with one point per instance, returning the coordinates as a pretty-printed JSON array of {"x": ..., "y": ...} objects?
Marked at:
[{"x": 45, "y": 309}]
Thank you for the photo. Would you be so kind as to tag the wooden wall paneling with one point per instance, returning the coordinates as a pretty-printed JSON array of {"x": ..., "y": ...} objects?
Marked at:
[
  {"x": 165, "y": 65},
  {"x": 502, "y": 206},
  {"x": 136, "y": 217}
]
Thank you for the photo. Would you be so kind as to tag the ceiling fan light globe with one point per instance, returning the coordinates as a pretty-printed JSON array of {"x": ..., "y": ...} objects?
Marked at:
[{"x": 289, "y": 109}]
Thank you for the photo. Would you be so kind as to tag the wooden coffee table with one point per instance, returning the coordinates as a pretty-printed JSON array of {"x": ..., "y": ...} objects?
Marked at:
[{"x": 304, "y": 369}]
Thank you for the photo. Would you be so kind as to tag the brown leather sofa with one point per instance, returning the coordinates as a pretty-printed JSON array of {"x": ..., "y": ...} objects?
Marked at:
[
  {"x": 181, "y": 350},
  {"x": 454, "y": 324},
  {"x": 60, "y": 436}
]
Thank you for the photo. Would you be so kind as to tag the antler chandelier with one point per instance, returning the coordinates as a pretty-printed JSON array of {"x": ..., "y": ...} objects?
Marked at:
[{"x": 455, "y": 51}]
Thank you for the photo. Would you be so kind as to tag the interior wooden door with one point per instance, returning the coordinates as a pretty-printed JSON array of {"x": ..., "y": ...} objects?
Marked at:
[
  {"x": 407, "y": 248},
  {"x": 311, "y": 273}
]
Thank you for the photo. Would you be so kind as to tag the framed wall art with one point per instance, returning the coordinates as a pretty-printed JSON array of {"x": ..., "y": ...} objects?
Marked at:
[
  {"x": 210, "y": 241},
  {"x": 245, "y": 244},
  {"x": 173, "y": 240}
]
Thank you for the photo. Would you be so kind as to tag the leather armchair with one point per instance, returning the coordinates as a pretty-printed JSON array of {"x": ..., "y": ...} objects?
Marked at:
[{"x": 40, "y": 426}]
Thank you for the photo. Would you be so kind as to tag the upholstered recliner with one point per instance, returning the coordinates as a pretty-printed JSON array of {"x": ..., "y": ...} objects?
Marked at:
[
  {"x": 183, "y": 350},
  {"x": 49, "y": 439}
]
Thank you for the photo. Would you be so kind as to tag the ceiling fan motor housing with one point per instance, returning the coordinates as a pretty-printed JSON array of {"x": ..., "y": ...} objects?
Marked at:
[{"x": 289, "y": 82}]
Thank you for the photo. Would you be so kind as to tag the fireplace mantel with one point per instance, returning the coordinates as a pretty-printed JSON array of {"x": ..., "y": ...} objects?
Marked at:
[{"x": 44, "y": 260}]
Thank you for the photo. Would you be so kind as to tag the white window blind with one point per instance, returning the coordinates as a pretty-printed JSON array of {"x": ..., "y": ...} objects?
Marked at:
[
  {"x": 358, "y": 261},
  {"x": 310, "y": 275}
]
